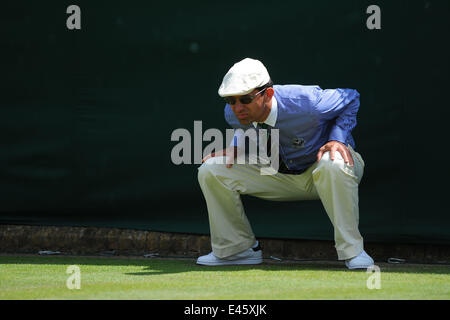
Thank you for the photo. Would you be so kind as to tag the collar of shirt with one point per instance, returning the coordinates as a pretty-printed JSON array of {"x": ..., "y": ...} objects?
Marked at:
[{"x": 272, "y": 117}]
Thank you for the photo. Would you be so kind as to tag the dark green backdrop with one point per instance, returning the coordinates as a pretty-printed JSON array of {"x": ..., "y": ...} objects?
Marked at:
[{"x": 86, "y": 115}]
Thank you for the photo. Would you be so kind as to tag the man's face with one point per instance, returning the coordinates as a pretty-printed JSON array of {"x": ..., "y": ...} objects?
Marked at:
[{"x": 254, "y": 111}]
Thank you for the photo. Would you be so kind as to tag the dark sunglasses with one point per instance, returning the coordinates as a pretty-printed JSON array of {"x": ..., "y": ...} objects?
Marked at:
[{"x": 248, "y": 98}]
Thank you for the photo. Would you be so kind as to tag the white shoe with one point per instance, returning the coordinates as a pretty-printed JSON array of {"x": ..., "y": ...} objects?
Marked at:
[
  {"x": 249, "y": 256},
  {"x": 361, "y": 261}
]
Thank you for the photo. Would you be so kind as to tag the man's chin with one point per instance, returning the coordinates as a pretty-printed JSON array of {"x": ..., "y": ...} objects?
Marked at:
[{"x": 244, "y": 122}]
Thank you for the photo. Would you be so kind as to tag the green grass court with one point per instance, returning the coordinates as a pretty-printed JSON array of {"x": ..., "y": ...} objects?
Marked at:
[{"x": 45, "y": 277}]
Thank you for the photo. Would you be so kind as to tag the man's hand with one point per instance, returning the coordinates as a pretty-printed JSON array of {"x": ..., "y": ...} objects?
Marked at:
[
  {"x": 230, "y": 154},
  {"x": 334, "y": 146}
]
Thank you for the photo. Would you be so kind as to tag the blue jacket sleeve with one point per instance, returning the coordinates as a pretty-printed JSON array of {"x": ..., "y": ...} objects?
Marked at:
[{"x": 339, "y": 106}]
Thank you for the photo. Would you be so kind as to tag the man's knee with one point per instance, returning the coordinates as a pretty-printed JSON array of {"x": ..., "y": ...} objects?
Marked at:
[
  {"x": 204, "y": 171},
  {"x": 327, "y": 163},
  {"x": 210, "y": 168},
  {"x": 334, "y": 168}
]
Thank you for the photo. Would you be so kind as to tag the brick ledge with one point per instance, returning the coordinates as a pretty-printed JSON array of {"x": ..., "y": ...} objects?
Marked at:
[{"x": 94, "y": 241}]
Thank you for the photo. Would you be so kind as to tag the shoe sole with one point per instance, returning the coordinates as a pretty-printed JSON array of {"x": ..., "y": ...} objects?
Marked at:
[
  {"x": 359, "y": 267},
  {"x": 248, "y": 261}
]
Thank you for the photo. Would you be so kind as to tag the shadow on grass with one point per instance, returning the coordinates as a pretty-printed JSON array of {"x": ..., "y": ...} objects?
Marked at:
[
  {"x": 192, "y": 267},
  {"x": 159, "y": 266}
]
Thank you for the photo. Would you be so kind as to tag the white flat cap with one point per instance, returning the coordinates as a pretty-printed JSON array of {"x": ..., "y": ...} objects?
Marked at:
[{"x": 243, "y": 77}]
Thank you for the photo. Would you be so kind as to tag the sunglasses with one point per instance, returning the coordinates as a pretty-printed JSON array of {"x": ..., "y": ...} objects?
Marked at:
[{"x": 248, "y": 98}]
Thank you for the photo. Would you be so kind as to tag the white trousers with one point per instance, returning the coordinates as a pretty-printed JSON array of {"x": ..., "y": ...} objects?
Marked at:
[{"x": 335, "y": 183}]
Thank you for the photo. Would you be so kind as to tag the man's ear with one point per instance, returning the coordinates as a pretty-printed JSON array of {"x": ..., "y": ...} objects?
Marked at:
[{"x": 270, "y": 92}]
